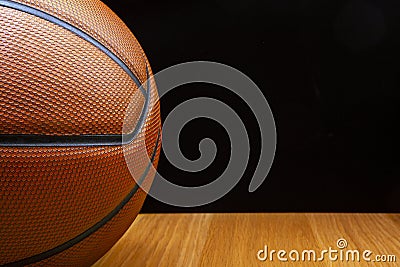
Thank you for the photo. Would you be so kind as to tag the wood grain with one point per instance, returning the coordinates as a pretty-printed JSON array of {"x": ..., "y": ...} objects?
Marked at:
[{"x": 235, "y": 239}]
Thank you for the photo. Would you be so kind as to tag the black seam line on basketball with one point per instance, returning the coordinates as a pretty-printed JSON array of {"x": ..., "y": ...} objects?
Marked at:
[
  {"x": 72, "y": 242},
  {"x": 80, "y": 139},
  {"x": 46, "y": 16},
  {"x": 29, "y": 140}
]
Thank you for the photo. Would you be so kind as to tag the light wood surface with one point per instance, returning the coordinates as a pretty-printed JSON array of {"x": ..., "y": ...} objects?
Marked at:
[{"x": 235, "y": 239}]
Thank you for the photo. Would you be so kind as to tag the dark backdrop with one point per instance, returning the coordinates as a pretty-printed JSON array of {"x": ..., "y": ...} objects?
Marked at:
[{"x": 330, "y": 72}]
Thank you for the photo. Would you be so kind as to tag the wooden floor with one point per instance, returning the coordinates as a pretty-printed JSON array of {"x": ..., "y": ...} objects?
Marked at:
[{"x": 235, "y": 239}]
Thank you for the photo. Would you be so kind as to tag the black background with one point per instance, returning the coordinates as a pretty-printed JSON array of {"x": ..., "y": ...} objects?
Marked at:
[{"x": 330, "y": 72}]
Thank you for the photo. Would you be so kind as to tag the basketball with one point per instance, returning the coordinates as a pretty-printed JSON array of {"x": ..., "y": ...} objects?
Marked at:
[{"x": 77, "y": 105}]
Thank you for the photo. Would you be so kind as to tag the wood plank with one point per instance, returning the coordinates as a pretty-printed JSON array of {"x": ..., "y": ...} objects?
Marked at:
[{"x": 235, "y": 239}]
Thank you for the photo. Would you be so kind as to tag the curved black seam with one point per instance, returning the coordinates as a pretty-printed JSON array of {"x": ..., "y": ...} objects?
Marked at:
[
  {"x": 70, "y": 243},
  {"x": 46, "y": 16},
  {"x": 9, "y": 140},
  {"x": 24, "y": 140}
]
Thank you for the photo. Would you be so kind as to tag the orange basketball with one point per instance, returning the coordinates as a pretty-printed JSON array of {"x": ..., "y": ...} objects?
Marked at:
[{"x": 69, "y": 71}]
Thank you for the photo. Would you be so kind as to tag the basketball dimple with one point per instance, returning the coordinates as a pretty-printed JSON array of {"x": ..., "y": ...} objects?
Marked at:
[{"x": 71, "y": 69}]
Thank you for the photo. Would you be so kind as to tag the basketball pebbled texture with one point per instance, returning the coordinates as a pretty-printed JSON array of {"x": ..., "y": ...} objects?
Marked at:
[{"x": 53, "y": 82}]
